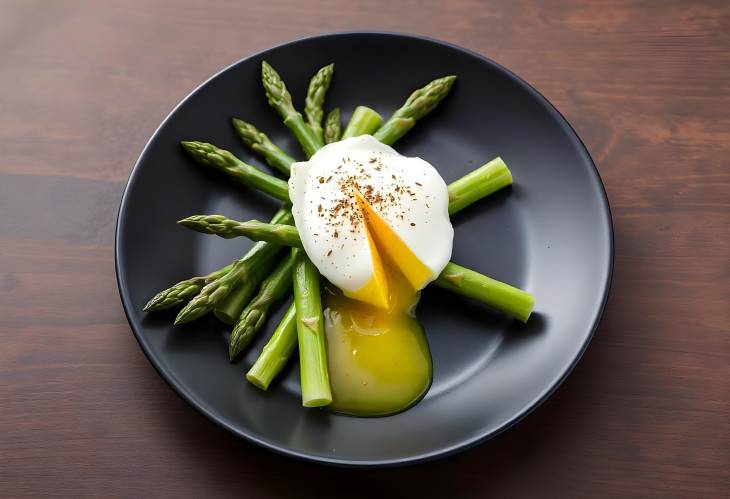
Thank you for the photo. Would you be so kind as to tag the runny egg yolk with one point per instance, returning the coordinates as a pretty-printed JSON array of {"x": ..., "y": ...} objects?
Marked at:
[
  {"x": 376, "y": 225},
  {"x": 378, "y": 356}
]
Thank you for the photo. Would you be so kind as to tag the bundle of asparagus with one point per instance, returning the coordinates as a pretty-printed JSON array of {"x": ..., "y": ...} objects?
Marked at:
[{"x": 243, "y": 292}]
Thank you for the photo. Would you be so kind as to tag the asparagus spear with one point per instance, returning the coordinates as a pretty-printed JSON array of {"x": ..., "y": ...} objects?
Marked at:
[
  {"x": 183, "y": 290},
  {"x": 420, "y": 103},
  {"x": 229, "y": 309},
  {"x": 463, "y": 192},
  {"x": 313, "y": 104},
  {"x": 224, "y": 227},
  {"x": 244, "y": 268},
  {"x": 220, "y": 159},
  {"x": 485, "y": 289},
  {"x": 503, "y": 297},
  {"x": 261, "y": 144},
  {"x": 310, "y": 333},
  {"x": 253, "y": 316},
  {"x": 477, "y": 184},
  {"x": 280, "y": 99},
  {"x": 310, "y": 327},
  {"x": 364, "y": 121},
  {"x": 276, "y": 352},
  {"x": 332, "y": 125}
]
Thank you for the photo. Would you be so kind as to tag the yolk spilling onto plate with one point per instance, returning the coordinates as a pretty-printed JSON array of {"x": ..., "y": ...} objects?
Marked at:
[{"x": 378, "y": 357}]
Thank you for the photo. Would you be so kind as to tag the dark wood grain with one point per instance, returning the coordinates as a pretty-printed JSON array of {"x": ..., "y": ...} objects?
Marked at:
[{"x": 646, "y": 84}]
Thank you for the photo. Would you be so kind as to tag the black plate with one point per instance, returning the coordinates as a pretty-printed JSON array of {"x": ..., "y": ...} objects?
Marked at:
[{"x": 550, "y": 234}]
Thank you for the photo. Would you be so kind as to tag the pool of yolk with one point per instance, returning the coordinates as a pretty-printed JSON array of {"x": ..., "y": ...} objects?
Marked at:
[{"x": 378, "y": 358}]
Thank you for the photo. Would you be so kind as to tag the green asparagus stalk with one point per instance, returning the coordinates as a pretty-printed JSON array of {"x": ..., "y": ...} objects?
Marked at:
[
  {"x": 314, "y": 103},
  {"x": 220, "y": 159},
  {"x": 221, "y": 226},
  {"x": 478, "y": 184},
  {"x": 310, "y": 332},
  {"x": 463, "y": 192},
  {"x": 420, "y": 103},
  {"x": 501, "y": 296},
  {"x": 364, "y": 121},
  {"x": 216, "y": 291},
  {"x": 495, "y": 294},
  {"x": 274, "y": 288},
  {"x": 332, "y": 125},
  {"x": 313, "y": 357},
  {"x": 183, "y": 291},
  {"x": 280, "y": 99},
  {"x": 229, "y": 309},
  {"x": 258, "y": 142},
  {"x": 276, "y": 352}
]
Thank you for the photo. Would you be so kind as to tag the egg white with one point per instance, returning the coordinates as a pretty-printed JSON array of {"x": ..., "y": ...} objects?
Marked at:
[{"x": 335, "y": 239}]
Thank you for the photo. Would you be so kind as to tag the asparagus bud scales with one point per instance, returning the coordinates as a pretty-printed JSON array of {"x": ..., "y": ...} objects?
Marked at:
[
  {"x": 227, "y": 228},
  {"x": 332, "y": 125},
  {"x": 220, "y": 159},
  {"x": 313, "y": 106},
  {"x": 254, "y": 314},
  {"x": 276, "y": 92},
  {"x": 424, "y": 100},
  {"x": 183, "y": 291},
  {"x": 260, "y": 143},
  {"x": 216, "y": 291},
  {"x": 419, "y": 103},
  {"x": 280, "y": 99}
]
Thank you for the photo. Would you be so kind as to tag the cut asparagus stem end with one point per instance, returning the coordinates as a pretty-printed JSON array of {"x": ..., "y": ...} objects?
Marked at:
[
  {"x": 310, "y": 333},
  {"x": 498, "y": 295},
  {"x": 364, "y": 121},
  {"x": 478, "y": 184},
  {"x": 277, "y": 351}
]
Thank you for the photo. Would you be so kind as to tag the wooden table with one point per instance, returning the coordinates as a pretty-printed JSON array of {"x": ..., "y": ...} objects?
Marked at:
[{"x": 84, "y": 84}]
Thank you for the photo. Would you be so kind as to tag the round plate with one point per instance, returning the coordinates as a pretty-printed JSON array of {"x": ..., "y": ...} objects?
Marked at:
[{"x": 550, "y": 234}]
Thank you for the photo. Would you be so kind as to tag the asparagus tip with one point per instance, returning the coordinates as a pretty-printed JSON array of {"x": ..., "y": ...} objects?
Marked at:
[{"x": 182, "y": 317}]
